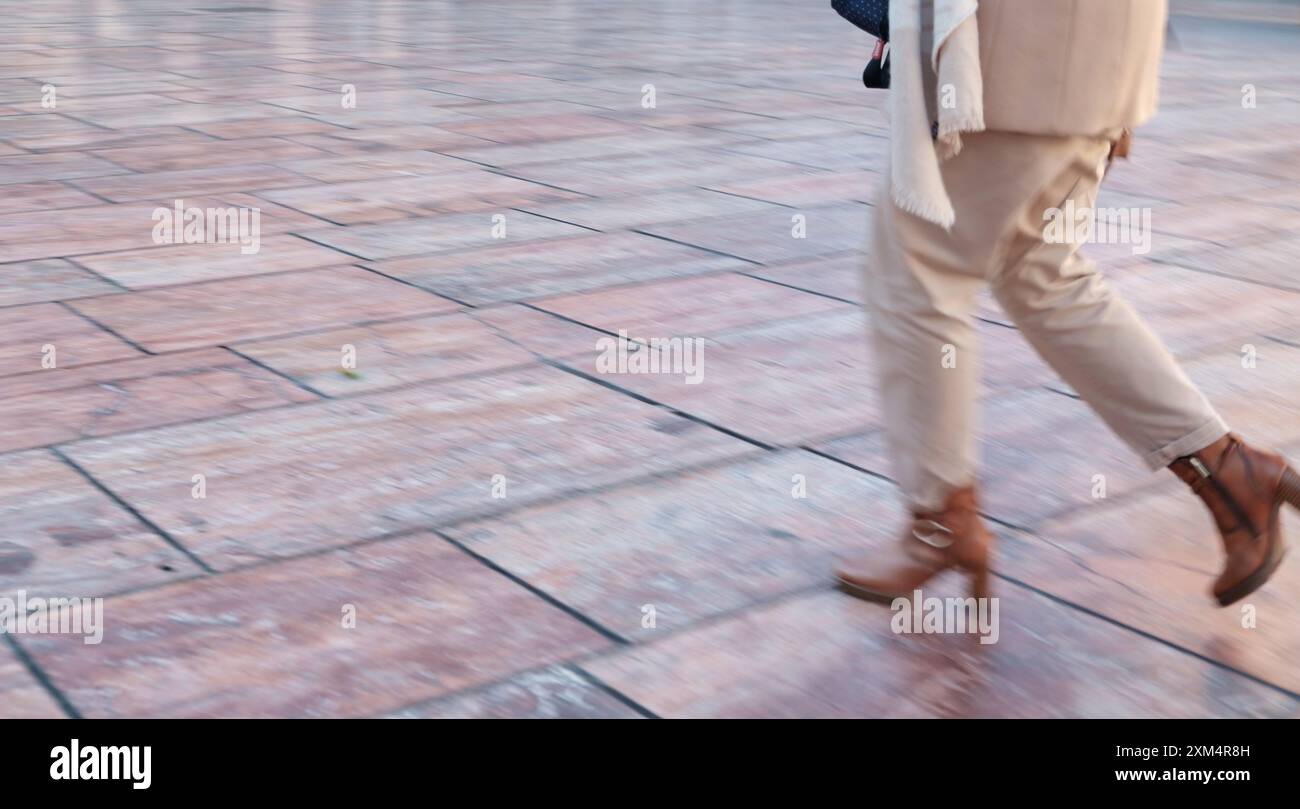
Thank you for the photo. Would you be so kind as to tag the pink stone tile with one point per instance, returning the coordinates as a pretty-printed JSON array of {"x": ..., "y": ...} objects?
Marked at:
[
  {"x": 95, "y": 138},
  {"x": 552, "y": 693},
  {"x": 837, "y": 276},
  {"x": 796, "y": 128},
  {"x": 557, "y": 266},
  {"x": 400, "y": 197},
  {"x": 633, "y": 173},
  {"x": 299, "y": 479},
  {"x": 689, "y": 307},
  {"x": 1260, "y": 401},
  {"x": 1116, "y": 257},
  {"x": 695, "y": 546},
  {"x": 102, "y": 228},
  {"x": 270, "y": 641},
  {"x": 25, "y": 331},
  {"x": 438, "y": 234},
  {"x": 769, "y": 237},
  {"x": 60, "y": 537},
  {"x": 207, "y": 154},
  {"x": 46, "y": 131},
  {"x": 1192, "y": 311},
  {"x": 275, "y": 218},
  {"x": 1008, "y": 363},
  {"x": 1268, "y": 260},
  {"x": 523, "y": 129},
  {"x": 641, "y": 210},
  {"x": 352, "y": 143},
  {"x": 519, "y": 159},
  {"x": 182, "y": 114},
  {"x": 808, "y": 190},
  {"x": 787, "y": 383},
  {"x": 538, "y": 332},
  {"x": 44, "y": 196},
  {"x": 21, "y": 696},
  {"x": 29, "y": 168},
  {"x": 1173, "y": 180},
  {"x": 390, "y": 354},
  {"x": 182, "y": 184},
  {"x": 373, "y": 167},
  {"x": 829, "y": 655},
  {"x": 1149, "y": 562},
  {"x": 218, "y": 312},
  {"x": 843, "y": 152},
  {"x": 47, "y": 280},
  {"x": 376, "y": 109},
  {"x": 166, "y": 265},
  {"x": 267, "y": 127},
  {"x": 1286, "y": 197},
  {"x": 1241, "y": 221},
  {"x": 52, "y": 406}
]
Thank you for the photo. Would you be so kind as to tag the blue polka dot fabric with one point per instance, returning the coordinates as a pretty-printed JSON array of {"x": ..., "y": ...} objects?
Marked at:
[{"x": 871, "y": 16}]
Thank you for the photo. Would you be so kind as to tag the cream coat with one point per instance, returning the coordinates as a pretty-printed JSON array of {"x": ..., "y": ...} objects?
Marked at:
[{"x": 1070, "y": 67}]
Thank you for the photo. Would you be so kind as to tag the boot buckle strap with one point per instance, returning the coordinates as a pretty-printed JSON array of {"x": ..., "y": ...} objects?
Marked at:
[{"x": 932, "y": 533}]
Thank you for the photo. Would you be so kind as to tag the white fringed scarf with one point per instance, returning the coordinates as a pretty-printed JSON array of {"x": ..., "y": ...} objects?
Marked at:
[{"x": 915, "y": 154}]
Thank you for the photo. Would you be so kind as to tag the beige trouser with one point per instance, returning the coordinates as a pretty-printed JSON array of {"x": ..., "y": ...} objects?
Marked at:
[{"x": 921, "y": 284}]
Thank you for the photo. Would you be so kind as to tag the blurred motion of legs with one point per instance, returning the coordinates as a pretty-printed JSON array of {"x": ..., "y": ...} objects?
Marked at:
[{"x": 505, "y": 358}]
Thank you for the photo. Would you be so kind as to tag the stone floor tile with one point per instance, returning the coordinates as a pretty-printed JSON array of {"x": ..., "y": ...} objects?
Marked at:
[
  {"x": 769, "y": 237},
  {"x": 551, "y": 693},
  {"x": 401, "y": 197},
  {"x": 808, "y": 190},
  {"x": 44, "y": 196},
  {"x": 1267, "y": 261},
  {"x": 64, "y": 538},
  {"x": 371, "y": 167},
  {"x": 51, "y": 279},
  {"x": 532, "y": 129},
  {"x": 700, "y": 545},
  {"x": 46, "y": 338},
  {"x": 54, "y": 406},
  {"x": 167, "y": 265},
  {"x": 102, "y": 228},
  {"x": 1177, "y": 181},
  {"x": 386, "y": 355},
  {"x": 295, "y": 480},
  {"x": 1149, "y": 561},
  {"x": 689, "y": 307},
  {"x": 829, "y": 655},
  {"x": 838, "y": 276},
  {"x": 541, "y": 333},
  {"x": 439, "y": 234},
  {"x": 240, "y": 309},
  {"x": 187, "y": 183},
  {"x": 631, "y": 173},
  {"x": 786, "y": 383},
  {"x": 271, "y": 641},
  {"x": 29, "y": 168},
  {"x": 21, "y": 696},
  {"x": 207, "y": 154},
  {"x": 643, "y": 210},
  {"x": 1254, "y": 386},
  {"x": 513, "y": 272}
]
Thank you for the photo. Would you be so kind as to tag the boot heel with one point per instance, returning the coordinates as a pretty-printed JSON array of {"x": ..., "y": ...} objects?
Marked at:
[{"x": 1288, "y": 490}]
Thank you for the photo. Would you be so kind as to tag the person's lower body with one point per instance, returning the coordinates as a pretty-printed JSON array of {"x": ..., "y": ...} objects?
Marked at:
[{"x": 921, "y": 285}]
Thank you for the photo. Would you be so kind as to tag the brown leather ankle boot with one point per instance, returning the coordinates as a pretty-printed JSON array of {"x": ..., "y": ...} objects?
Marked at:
[
  {"x": 1244, "y": 489},
  {"x": 952, "y": 537}
]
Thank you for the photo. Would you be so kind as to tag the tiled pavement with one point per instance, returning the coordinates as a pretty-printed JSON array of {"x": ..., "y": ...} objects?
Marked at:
[{"x": 499, "y": 511}]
